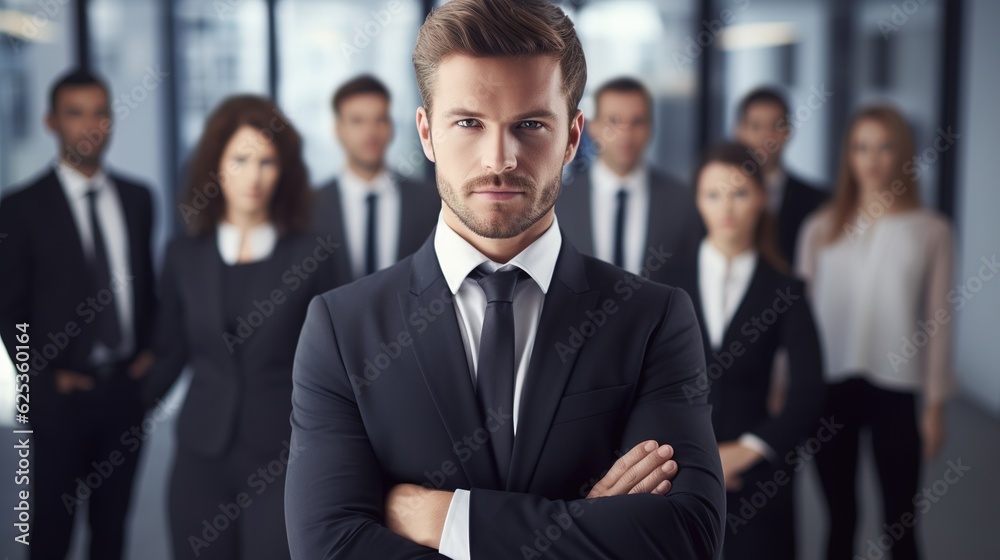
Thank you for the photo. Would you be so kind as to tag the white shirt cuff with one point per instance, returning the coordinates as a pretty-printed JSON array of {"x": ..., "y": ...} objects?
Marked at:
[
  {"x": 455, "y": 535},
  {"x": 757, "y": 444}
]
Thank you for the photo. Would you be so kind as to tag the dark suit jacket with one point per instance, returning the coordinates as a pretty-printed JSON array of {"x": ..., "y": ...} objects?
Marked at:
[
  {"x": 674, "y": 223},
  {"x": 772, "y": 314},
  {"x": 383, "y": 395},
  {"x": 43, "y": 271},
  {"x": 419, "y": 202},
  {"x": 241, "y": 381},
  {"x": 799, "y": 200}
]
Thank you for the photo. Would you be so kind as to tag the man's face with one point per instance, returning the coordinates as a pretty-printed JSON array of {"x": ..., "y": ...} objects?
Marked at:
[
  {"x": 82, "y": 121},
  {"x": 622, "y": 128},
  {"x": 500, "y": 135},
  {"x": 364, "y": 129},
  {"x": 764, "y": 129}
]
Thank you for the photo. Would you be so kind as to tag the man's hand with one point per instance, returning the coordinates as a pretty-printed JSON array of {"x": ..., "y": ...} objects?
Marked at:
[
  {"x": 417, "y": 513},
  {"x": 140, "y": 365},
  {"x": 647, "y": 468},
  {"x": 68, "y": 381},
  {"x": 736, "y": 459}
]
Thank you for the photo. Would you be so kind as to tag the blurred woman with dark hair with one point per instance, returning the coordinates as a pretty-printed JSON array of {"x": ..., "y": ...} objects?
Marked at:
[
  {"x": 879, "y": 268},
  {"x": 749, "y": 309},
  {"x": 234, "y": 297}
]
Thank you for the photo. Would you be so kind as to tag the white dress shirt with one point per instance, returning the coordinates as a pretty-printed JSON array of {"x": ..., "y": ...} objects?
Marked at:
[
  {"x": 111, "y": 220},
  {"x": 457, "y": 259},
  {"x": 723, "y": 282},
  {"x": 353, "y": 198},
  {"x": 604, "y": 209},
  {"x": 261, "y": 241},
  {"x": 873, "y": 291}
]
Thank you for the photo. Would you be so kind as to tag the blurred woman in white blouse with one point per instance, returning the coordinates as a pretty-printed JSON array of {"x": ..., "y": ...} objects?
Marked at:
[
  {"x": 750, "y": 309},
  {"x": 879, "y": 267}
]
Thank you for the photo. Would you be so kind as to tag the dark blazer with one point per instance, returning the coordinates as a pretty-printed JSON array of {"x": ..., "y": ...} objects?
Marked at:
[
  {"x": 43, "y": 267},
  {"x": 674, "y": 223},
  {"x": 800, "y": 199},
  {"x": 242, "y": 383},
  {"x": 383, "y": 395},
  {"x": 764, "y": 322},
  {"x": 419, "y": 204}
]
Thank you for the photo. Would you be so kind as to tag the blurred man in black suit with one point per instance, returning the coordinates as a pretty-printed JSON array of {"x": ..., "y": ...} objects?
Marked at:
[
  {"x": 380, "y": 215},
  {"x": 621, "y": 209},
  {"x": 77, "y": 268},
  {"x": 762, "y": 124}
]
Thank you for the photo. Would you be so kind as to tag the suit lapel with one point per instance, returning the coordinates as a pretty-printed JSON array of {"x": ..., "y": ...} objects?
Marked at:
[
  {"x": 332, "y": 216},
  {"x": 210, "y": 264},
  {"x": 549, "y": 368},
  {"x": 64, "y": 220},
  {"x": 749, "y": 303},
  {"x": 441, "y": 357},
  {"x": 574, "y": 213},
  {"x": 656, "y": 225}
]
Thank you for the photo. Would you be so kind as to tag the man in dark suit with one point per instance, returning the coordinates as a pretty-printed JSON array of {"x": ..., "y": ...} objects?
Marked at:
[
  {"x": 619, "y": 209},
  {"x": 466, "y": 402},
  {"x": 381, "y": 216},
  {"x": 762, "y": 124},
  {"x": 77, "y": 269}
]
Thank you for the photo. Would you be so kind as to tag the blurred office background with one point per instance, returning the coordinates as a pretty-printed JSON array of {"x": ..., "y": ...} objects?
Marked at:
[{"x": 169, "y": 62}]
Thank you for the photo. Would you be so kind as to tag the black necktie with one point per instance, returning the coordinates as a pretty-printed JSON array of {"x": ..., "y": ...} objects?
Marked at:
[
  {"x": 619, "y": 254},
  {"x": 495, "y": 372},
  {"x": 371, "y": 237},
  {"x": 108, "y": 329}
]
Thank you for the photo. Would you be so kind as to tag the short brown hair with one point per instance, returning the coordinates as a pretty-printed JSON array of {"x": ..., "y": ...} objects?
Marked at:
[
  {"x": 365, "y": 83},
  {"x": 202, "y": 203},
  {"x": 623, "y": 84},
  {"x": 496, "y": 28}
]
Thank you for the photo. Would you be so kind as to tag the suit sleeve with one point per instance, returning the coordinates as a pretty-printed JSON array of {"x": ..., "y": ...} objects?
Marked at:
[
  {"x": 15, "y": 278},
  {"x": 687, "y": 523},
  {"x": 334, "y": 497},
  {"x": 170, "y": 353},
  {"x": 806, "y": 389}
]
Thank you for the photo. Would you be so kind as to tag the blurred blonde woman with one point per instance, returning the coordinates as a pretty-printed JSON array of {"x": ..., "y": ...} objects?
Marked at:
[{"x": 879, "y": 267}]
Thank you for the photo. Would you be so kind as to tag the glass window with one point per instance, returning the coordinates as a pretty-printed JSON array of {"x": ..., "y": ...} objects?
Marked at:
[
  {"x": 221, "y": 50},
  {"x": 139, "y": 83},
  {"x": 36, "y": 46}
]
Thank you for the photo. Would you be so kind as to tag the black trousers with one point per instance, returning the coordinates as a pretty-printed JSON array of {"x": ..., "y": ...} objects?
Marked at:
[
  {"x": 891, "y": 418},
  {"x": 760, "y": 521},
  {"x": 229, "y": 507},
  {"x": 86, "y": 450}
]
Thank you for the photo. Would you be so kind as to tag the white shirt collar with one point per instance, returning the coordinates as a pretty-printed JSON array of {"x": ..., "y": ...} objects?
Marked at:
[
  {"x": 77, "y": 184},
  {"x": 457, "y": 257},
  {"x": 607, "y": 180},
  {"x": 262, "y": 240},
  {"x": 740, "y": 266},
  {"x": 354, "y": 185}
]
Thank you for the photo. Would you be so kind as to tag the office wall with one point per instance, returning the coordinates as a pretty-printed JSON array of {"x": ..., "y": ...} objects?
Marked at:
[{"x": 977, "y": 350}]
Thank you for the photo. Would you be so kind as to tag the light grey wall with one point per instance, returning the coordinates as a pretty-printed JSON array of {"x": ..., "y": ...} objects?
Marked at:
[{"x": 977, "y": 350}]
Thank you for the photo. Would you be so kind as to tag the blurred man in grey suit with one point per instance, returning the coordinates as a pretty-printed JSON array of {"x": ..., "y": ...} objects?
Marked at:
[
  {"x": 620, "y": 209},
  {"x": 363, "y": 206}
]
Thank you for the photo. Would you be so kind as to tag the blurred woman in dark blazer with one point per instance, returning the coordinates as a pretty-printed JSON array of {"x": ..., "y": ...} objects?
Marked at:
[
  {"x": 235, "y": 293},
  {"x": 750, "y": 308}
]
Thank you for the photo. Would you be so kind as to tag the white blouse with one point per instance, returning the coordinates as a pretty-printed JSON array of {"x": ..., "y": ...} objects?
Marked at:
[
  {"x": 261, "y": 239},
  {"x": 880, "y": 296},
  {"x": 722, "y": 283}
]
